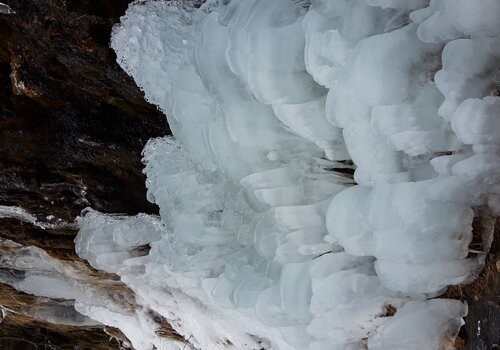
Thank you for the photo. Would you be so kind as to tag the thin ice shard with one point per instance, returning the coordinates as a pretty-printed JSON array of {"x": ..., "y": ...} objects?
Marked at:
[{"x": 4, "y": 8}]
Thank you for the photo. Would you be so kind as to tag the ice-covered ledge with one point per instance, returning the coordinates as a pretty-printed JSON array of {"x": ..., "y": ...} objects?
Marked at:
[{"x": 265, "y": 241}]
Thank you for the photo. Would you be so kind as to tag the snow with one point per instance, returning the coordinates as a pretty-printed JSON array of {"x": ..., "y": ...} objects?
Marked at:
[{"x": 264, "y": 240}]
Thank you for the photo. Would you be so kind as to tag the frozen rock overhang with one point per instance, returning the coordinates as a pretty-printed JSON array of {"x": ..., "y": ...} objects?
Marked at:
[{"x": 266, "y": 240}]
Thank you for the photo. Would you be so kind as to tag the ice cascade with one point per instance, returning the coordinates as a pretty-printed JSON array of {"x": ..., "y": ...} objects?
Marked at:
[{"x": 328, "y": 160}]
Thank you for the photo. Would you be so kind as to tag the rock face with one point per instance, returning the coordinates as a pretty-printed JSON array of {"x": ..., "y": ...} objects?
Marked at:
[
  {"x": 72, "y": 127},
  {"x": 73, "y": 123}
]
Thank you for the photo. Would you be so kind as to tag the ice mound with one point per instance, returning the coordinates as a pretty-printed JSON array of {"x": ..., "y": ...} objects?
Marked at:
[
  {"x": 266, "y": 240},
  {"x": 107, "y": 241}
]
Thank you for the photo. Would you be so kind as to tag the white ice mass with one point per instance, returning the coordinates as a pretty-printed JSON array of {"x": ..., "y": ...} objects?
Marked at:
[{"x": 265, "y": 239}]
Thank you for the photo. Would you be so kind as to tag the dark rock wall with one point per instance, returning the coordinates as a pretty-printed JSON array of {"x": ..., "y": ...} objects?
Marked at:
[
  {"x": 72, "y": 128},
  {"x": 72, "y": 123}
]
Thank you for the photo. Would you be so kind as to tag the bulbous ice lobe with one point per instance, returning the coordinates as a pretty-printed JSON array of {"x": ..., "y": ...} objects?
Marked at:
[{"x": 264, "y": 226}]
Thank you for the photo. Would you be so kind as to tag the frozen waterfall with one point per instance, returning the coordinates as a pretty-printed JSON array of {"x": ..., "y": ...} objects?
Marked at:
[{"x": 327, "y": 161}]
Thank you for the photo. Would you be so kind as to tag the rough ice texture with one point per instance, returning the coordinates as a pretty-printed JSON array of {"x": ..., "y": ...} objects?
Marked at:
[{"x": 265, "y": 241}]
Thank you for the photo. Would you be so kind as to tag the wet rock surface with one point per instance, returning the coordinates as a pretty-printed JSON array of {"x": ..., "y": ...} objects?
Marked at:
[
  {"x": 19, "y": 331},
  {"x": 72, "y": 123}
]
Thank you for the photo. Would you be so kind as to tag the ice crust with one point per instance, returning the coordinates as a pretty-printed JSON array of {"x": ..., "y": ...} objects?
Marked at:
[{"x": 265, "y": 241}]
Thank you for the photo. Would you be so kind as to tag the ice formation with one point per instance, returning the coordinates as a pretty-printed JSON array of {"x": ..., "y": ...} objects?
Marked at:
[
  {"x": 6, "y": 9},
  {"x": 265, "y": 240}
]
